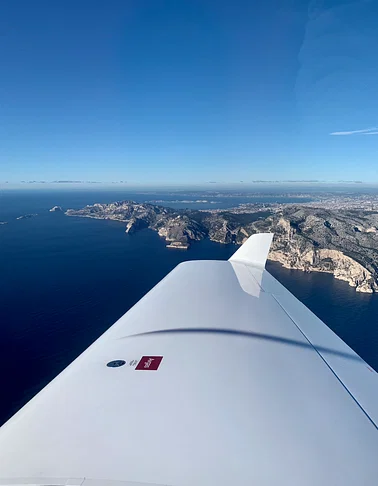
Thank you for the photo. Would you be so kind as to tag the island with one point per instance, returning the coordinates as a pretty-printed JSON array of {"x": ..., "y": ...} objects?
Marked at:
[
  {"x": 180, "y": 245},
  {"x": 26, "y": 216},
  {"x": 342, "y": 242}
]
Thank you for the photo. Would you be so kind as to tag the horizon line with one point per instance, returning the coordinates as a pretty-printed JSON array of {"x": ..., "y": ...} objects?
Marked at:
[{"x": 149, "y": 183}]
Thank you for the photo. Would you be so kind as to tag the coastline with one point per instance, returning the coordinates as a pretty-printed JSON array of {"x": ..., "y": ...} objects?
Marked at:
[{"x": 306, "y": 238}]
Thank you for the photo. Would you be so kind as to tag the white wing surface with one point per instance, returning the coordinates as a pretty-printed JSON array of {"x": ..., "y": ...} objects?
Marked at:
[{"x": 227, "y": 380}]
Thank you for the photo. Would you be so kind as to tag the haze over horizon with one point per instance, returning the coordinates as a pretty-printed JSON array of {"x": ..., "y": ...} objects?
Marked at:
[
  {"x": 160, "y": 92},
  {"x": 207, "y": 187}
]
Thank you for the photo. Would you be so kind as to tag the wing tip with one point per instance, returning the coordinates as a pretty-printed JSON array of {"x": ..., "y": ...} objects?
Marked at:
[{"x": 255, "y": 250}]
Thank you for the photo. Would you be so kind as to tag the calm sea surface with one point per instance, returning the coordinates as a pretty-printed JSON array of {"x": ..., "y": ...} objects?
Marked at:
[{"x": 65, "y": 280}]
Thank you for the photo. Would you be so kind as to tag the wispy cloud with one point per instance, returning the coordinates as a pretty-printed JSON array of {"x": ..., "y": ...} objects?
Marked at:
[{"x": 365, "y": 131}]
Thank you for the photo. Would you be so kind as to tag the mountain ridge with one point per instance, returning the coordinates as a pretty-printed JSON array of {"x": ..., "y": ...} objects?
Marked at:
[{"x": 342, "y": 242}]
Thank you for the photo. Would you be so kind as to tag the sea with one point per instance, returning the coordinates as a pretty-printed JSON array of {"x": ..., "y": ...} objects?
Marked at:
[{"x": 65, "y": 280}]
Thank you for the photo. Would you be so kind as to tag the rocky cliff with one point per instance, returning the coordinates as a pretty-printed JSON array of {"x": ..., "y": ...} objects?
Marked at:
[
  {"x": 344, "y": 243},
  {"x": 172, "y": 225}
]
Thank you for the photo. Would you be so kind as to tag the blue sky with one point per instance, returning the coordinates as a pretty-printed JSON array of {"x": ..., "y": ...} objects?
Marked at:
[{"x": 182, "y": 91}]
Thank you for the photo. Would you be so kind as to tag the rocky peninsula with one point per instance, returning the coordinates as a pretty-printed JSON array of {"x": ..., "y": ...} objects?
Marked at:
[{"x": 341, "y": 242}]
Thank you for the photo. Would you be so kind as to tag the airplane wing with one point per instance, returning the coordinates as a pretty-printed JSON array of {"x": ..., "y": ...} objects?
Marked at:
[{"x": 218, "y": 376}]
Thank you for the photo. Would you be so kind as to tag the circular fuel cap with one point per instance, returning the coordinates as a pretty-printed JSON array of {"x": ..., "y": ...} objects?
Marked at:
[{"x": 116, "y": 363}]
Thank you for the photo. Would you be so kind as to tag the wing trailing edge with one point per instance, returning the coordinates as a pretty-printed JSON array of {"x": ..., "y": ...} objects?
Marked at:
[{"x": 255, "y": 250}]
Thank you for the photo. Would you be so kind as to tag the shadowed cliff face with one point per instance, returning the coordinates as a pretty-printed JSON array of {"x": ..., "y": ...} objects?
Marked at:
[{"x": 344, "y": 243}]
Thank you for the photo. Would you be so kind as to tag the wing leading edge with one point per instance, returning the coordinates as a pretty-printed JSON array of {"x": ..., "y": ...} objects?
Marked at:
[{"x": 227, "y": 379}]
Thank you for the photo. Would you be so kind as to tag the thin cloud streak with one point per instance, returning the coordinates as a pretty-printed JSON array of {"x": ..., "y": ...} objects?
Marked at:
[{"x": 365, "y": 131}]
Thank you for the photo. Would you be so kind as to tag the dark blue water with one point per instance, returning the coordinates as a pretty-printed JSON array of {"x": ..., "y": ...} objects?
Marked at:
[
  {"x": 15, "y": 203},
  {"x": 64, "y": 281}
]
